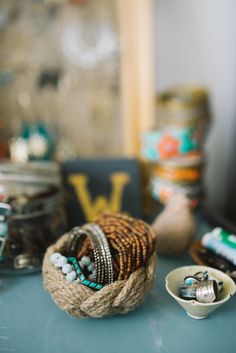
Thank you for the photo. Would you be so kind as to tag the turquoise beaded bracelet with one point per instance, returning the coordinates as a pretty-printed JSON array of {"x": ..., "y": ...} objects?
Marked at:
[
  {"x": 103, "y": 272},
  {"x": 81, "y": 276},
  {"x": 76, "y": 275}
]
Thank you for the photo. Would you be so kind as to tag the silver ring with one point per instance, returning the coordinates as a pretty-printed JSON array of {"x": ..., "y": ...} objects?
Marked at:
[
  {"x": 207, "y": 291},
  {"x": 188, "y": 292}
]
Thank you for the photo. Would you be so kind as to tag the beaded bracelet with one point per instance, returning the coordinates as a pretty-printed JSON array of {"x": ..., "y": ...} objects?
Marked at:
[
  {"x": 73, "y": 271},
  {"x": 131, "y": 240},
  {"x": 81, "y": 276}
]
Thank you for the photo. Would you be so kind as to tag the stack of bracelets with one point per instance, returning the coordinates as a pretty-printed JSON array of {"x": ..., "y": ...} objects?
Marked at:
[
  {"x": 110, "y": 249},
  {"x": 175, "y": 147}
]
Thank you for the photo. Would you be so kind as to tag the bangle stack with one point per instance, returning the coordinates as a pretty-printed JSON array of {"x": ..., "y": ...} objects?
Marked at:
[
  {"x": 174, "y": 148},
  {"x": 102, "y": 270},
  {"x": 104, "y": 254},
  {"x": 100, "y": 253}
]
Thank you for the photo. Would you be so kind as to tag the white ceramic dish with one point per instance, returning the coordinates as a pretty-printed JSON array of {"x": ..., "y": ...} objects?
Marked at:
[{"x": 193, "y": 308}]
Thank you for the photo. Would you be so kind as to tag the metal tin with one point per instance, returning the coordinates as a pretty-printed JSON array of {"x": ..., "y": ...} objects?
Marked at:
[{"x": 184, "y": 104}]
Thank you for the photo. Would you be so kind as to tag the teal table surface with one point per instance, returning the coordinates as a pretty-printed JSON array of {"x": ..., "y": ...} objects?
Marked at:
[{"x": 30, "y": 322}]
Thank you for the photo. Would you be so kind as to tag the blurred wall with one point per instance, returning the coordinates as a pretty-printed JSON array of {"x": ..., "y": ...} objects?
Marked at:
[{"x": 196, "y": 41}]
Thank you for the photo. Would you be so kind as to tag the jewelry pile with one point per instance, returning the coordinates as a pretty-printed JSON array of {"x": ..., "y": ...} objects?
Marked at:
[
  {"x": 100, "y": 253},
  {"x": 201, "y": 287}
]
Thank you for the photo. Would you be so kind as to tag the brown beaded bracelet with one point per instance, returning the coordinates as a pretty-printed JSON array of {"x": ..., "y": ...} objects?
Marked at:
[
  {"x": 132, "y": 240},
  {"x": 131, "y": 243}
]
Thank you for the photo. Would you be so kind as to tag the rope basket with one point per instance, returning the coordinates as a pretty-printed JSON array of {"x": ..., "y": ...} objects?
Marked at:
[{"x": 118, "y": 297}]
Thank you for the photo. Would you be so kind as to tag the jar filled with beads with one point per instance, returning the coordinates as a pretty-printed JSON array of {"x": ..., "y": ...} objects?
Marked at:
[{"x": 31, "y": 214}]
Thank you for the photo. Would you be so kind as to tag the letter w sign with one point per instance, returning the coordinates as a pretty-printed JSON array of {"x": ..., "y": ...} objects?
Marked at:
[{"x": 96, "y": 185}]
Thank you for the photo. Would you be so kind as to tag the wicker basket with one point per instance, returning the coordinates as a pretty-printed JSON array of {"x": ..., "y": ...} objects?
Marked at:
[{"x": 77, "y": 300}]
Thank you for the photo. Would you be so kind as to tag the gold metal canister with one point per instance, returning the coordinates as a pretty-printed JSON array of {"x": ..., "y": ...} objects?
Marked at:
[{"x": 183, "y": 105}]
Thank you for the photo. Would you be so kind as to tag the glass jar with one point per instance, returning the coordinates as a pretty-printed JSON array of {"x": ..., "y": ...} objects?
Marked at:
[{"x": 31, "y": 214}]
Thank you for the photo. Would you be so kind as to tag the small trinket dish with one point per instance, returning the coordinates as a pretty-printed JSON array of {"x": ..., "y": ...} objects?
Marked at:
[{"x": 193, "y": 308}]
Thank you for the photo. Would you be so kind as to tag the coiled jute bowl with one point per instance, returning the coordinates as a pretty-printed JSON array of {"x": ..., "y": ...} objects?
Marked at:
[{"x": 128, "y": 289}]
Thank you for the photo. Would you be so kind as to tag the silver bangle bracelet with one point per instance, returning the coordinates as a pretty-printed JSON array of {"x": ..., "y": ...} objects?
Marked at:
[
  {"x": 105, "y": 250},
  {"x": 99, "y": 257},
  {"x": 101, "y": 250},
  {"x": 75, "y": 239}
]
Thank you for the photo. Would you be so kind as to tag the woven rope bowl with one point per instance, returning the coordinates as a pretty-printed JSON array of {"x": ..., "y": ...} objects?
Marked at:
[{"x": 77, "y": 300}]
